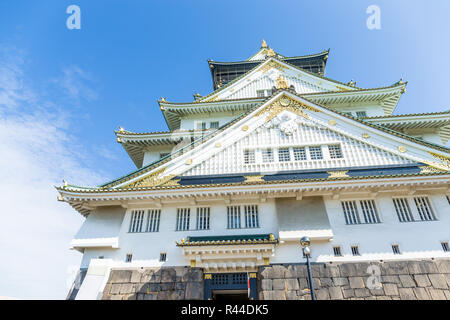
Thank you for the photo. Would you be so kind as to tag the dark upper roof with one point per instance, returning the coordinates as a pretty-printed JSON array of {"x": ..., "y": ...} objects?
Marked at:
[{"x": 224, "y": 72}]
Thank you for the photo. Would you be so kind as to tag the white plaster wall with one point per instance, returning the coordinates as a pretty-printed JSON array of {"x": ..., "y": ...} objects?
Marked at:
[
  {"x": 189, "y": 123},
  {"x": 104, "y": 222},
  {"x": 372, "y": 110},
  {"x": 154, "y": 154}
]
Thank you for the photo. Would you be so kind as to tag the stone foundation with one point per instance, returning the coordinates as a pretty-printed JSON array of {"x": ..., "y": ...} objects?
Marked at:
[
  {"x": 400, "y": 280},
  {"x": 167, "y": 283}
]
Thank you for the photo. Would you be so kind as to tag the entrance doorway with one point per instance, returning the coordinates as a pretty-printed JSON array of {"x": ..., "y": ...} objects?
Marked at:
[
  {"x": 230, "y": 295},
  {"x": 230, "y": 286}
]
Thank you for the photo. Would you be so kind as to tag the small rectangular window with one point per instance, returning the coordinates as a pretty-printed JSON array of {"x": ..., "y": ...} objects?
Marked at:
[
  {"x": 299, "y": 153},
  {"x": 445, "y": 246},
  {"x": 249, "y": 156},
  {"x": 355, "y": 250},
  {"x": 214, "y": 125},
  {"x": 163, "y": 155},
  {"x": 162, "y": 256},
  {"x": 361, "y": 114},
  {"x": 234, "y": 217},
  {"x": 267, "y": 155},
  {"x": 260, "y": 93},
  {"x": 315, "y": 153},
  {"x": 203, "y": 218},
  {"x": 403, "y": 210},
  {"x": 183, "y": 218},
  {"x": 137, "y": 219},
  {"x": 395, "y": 249},
  {"x": 153, "y": 219},
  {"x": 448, "y": 199},
  {"x": 369, "y": 211},
  {"x": 424, "y": 208},
  {"x": 335, "y": 151},
  {"x": 284, "y": 155},
  {"x": 251, "y": 216},
  {"x": 128, "y": 257},
  {"x": 350, "y": 212},
  {"x": 337, "y": 251}
]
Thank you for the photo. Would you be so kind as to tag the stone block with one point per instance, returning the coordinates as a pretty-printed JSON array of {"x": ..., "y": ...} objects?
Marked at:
[
  {"x": 322, "y": 294},
  {"x": 377, "y": 292},
  {"x": 268, "y": 295},
  {"x": 422, "y": 280},
  {"x": 292, "y": 284},
  {"x": 151, "y": 275},
  {"x": 194, "y": 291},
  {"x": 120, "y": 276},
  {"x": 390, "y": 279},
  {"x": 438, "y": 281},
  {"x": 153, "y": 287},
  {"x": 406, "y": 294},
  {"x": 278, "y": 284},
  {"x": 340, "y": 281},
  {"x": 115, "y": 288},
  {"x": 180, "y": 286},
  {"x": 296, "y": 271},
  {"x": 335, "y": 293},
  {"x": 422, "y": 267},
  {"x": 303, "y": 283},
  {"x": 383, "y": 298},
  {"x": 292, "y": 295},
  {"x": 362, "y": 293},
  {"x": 421, "y": 294},
  {"x": 407, "y": 281},
  {"x": 279, "y": 295},
  {"x": 394, "y": 268},
  {"x": 116, "y": 297},
  {"x": 348, "y": 293},
  {"x": 447, "y": 278},
  {"x": 136, "y": 276},
  {"x": 390, "y": 289},
  {"x": 165, "y": 286},
  {"x": 329, "y": 271},
  {"x": 443, "y": 265},
  {"x": 150, "y": 296},
  {"x": 127, "y": 288},
  {"x": 356, "y": 282},
  {"x": 168, "y": 275},
  {"x": 266, "y": 284},
  {"x": 447, "y": 294},
  {"x": 192, "y": 275},
  {"x": 436, "y": 294},
  {"x": 326, "y": 282},
  {"x": 129, "y": 297}
]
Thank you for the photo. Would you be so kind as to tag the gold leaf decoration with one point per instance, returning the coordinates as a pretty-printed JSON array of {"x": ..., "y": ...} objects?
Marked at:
[
  {"x": 338, "y": 174},
  {"x": 444, "y": 160},
  {"x": 281, "y": 83},
  {"x": 285, "y": 103},
  {"x": 272, "y": 64},
  {"x": 152, "y": 180},
  {"x": 430, "y": 169},
  {"x": 402, "y": 149},
  {"x": 256, "y": 178}
]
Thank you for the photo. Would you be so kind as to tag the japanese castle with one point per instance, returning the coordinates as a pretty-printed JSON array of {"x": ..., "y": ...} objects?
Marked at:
[{"x": 277, "y": 151}]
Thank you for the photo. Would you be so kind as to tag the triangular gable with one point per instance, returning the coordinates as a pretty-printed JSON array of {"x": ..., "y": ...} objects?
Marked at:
[
  {"x": 391, "y": 148},
  {"x": 265, "y": 76}
]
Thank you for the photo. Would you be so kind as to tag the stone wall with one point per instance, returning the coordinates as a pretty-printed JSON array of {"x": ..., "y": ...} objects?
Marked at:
[
  {"x": 167, "y": 283},
  {"x": 406, "y": 280}
]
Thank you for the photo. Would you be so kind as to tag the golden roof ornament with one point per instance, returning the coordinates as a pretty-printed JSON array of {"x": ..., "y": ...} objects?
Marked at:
[
  {"x": 121, "y": 129},
  {"x": 263, "y": 44},
  {"x": 163, "y": 99},
  {"x": 270, "y": 53},
  {"x": 281, "y": 83}
]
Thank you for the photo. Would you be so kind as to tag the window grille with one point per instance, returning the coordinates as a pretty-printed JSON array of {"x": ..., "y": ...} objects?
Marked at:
[
  {"x": 251, "y": 216},
  {"x": 315, "y": 153},
  {"x": 403, "y": 210},
  {"x": 260, "y": 93},
  {"x": 424, "y": 208},
  {"x": 203, "y": 218},
  {"x": 448, "y": 199},
  {"x": 445, "y": 246},
  {"x": 355, "y": 250},
  {"x": 137, "y": 218},
  {"x": 128, "y": 257},
  {"x": 234, "y": 217},
  {"x": 162, "y": 257},
  {"x": 396, "y": 249},
  {"x": 153, "y": 219},
  {"x": 335, "y": 151},
  {"x": 337, "y": 251},
  {"x": 162, "y": 155},
  {"x": 369, "y": 211},
  {"x": 284, "y": 155},
  {"x": 267, "y": 155},
  {"x": 183, "y": 217},
  {"x": 350, "y": 212},
  {"x": 214, "y": 125},
  {"x": 361, "y": 114},
  {"x": 249, "y": 156},
  {"x": 299, "y": 153}
]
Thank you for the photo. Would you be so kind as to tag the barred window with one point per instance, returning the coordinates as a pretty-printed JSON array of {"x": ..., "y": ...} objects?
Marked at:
[
  {"x": 162, "y": 257},
  {"x": 137, "y": 218},
  {"x": 350, "y": 212},
  {"x": 445, "y": 246},
  {"x": 403, "y": 210},
  {"x": 153, "y": 218},
  {"x": 284, "y": 155},
  {"x": 361, "y": 114},
  {"x": 315, "y": 153},
  {"x": 260, "y": 93},
  {"x": 128, "y": 257},
  {"x": 355, "y": 250},
  {"x": 424, "y": 208},
  {"x": 396, "y": 249},
  {"x": 183, "y": 217},
  {"x": 164, "y": 154},
  {"x": 335, "y": 151},
  {"x": 448, "y": 199},
  {"x": 369, "y": 211},
  {"x": 267, "y": 155},
  {"x": 337, "y": 251},
  {"x": 234, "y": 217},
  {"x": 249, "y": 156},
  {"x": 214, "y": 125},
  {"x": 299, "y": 153},
  {"x": 251, "y": 216},
  {"x": 203, "y": 218}
]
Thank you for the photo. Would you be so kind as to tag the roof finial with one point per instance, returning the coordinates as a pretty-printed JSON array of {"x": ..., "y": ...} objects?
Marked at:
[
  {"x": 281, "y": 83},
  {"x": 270, "y": 53},
  {"x": 263, "y": 44},
  {"x": 64, "y": 183},
  {"x": 163, "y": 99}
]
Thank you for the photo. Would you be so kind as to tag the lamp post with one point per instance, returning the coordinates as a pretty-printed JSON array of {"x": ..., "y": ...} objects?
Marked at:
[{"x": 306, "y": 242}]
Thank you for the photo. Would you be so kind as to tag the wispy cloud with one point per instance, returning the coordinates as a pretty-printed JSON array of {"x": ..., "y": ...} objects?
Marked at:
[{"x": 37, "y": 151}]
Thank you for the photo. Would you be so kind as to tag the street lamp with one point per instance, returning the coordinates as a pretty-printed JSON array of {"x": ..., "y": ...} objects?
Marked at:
[{"x": 306, "y": 242}]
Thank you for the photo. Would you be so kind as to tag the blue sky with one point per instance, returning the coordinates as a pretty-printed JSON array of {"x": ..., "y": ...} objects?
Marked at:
[{"x": 63, "y": 92}]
